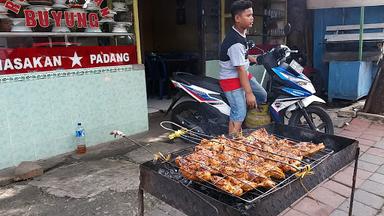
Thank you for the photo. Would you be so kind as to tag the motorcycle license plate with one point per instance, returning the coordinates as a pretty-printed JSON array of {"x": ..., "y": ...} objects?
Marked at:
[{"x": 296, "y": 66}]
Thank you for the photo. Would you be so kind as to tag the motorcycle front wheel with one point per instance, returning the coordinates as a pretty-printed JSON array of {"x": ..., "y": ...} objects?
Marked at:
[{"x": 318, "y": 116}]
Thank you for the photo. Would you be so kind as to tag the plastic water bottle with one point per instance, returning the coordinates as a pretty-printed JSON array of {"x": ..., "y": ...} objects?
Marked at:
[{"x": 80, "y": 139}]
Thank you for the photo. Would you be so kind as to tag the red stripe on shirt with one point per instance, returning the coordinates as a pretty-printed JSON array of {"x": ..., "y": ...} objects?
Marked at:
[{"x": 232, "y": 84}]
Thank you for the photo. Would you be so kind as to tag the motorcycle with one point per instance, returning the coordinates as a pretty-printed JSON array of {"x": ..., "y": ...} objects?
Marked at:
[{"x": 290, "y": 95}]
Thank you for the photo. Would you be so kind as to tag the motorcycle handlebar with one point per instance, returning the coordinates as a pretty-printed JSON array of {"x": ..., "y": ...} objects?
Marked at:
[{"x": 275, "y": 55}]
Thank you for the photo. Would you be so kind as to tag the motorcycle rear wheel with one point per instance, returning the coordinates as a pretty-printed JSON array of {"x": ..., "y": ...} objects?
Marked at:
[{"x": 200, "y": 117}]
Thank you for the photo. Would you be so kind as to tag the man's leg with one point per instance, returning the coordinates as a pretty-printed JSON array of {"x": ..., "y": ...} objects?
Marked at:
[
  {"x": 236, "y": 99},
  {"x": 258, "y": 91},
  {"x": 234, "y": 127}
]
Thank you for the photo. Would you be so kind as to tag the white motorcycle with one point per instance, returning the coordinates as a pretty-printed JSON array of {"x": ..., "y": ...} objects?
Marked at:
[{"x": 290, "y": 91}]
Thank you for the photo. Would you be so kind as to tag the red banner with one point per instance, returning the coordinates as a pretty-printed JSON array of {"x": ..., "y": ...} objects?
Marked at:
[
  {"x": 24, "y": 60},
  {"x": 42, "y": 17}
]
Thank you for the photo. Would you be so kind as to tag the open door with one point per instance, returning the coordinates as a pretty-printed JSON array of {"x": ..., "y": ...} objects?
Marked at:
[
  {"x": 170, "y": 42},
  {"x": 209, "y": 31}
]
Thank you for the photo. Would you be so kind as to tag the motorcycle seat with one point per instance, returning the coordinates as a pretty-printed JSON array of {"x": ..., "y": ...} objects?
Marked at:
[{"x": 209, "y": 83}]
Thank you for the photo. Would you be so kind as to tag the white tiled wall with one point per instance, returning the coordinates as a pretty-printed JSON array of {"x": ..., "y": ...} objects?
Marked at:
[{"x": 38, "y": 116}]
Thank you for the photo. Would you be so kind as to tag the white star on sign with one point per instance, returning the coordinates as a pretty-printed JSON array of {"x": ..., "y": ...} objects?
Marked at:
[{"x": 76, "y": 60}]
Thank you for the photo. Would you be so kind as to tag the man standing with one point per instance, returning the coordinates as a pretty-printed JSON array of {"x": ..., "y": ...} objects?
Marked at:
[{"x": 241, "y": 89}]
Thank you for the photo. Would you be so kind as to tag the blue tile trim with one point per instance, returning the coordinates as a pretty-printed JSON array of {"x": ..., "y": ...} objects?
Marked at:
[{"x": 62, "y": 73}]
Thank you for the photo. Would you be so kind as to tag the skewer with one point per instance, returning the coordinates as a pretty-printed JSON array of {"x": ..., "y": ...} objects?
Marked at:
[
  {"x": 251, "y": 173},
  {"x": 269, "y": 143},
  {"x": 166, "y": 160},
  {"x": 228, "y": 161},
  {"x": 267, "y": 158},
  {"x": 182, "y": 131},
  {"x": 198, "y": 135},
  {"x": 302, "y": 171},
  {"x": 214, "y": 183},
  {"x": 224, "y": 176},
  {"x": 117, "y": 133},
  {"x": 273, "y": 153}
]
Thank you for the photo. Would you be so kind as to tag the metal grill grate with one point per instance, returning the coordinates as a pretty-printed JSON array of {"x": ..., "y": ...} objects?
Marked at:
[{"x": 171, "y": 170}]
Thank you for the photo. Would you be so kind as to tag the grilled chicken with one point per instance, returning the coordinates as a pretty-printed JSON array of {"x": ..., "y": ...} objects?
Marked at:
[
  {"x": 241, "y": 165},
  {"x": 227, "y": 186}
]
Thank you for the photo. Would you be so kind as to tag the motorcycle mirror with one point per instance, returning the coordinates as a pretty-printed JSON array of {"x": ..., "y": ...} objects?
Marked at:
[
  {"x": 381, "y": 47},
  {"x": 251, "y": 44},
  {"x": 287, "y": 29}
]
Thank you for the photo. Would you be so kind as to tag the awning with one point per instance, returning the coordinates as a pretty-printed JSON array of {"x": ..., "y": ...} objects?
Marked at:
[{"x": 321, "y": 4}]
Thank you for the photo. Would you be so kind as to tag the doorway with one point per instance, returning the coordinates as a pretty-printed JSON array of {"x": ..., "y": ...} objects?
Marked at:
[{"x": 170, "y": 43}]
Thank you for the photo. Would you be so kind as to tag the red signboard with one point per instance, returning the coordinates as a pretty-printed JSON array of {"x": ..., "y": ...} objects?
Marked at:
[
  {"x": 24, "y": 60},
  {"x": 42, "y": 17}
]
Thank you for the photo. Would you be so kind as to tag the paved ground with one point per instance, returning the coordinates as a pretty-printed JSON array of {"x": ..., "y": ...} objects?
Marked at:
[
  {"x": 92, "y": 184},
  {"x": 109, "y": 186},
  {"x": 332, "y": 197}
]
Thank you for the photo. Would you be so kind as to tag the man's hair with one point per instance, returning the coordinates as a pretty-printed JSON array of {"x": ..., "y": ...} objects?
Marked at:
[{"x": 239, "y": 6}]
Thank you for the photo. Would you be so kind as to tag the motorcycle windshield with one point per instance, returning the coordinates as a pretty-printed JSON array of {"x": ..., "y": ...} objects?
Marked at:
[{"x": 293, "y": 79}]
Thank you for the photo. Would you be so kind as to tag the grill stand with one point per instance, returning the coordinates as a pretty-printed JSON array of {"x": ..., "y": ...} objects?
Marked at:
[
  {"x": 140, "y": 202},
  {"x": 180, "y": 197},
  {"x": 354, "y": 181},
  {"x": 141, "y": 191}
]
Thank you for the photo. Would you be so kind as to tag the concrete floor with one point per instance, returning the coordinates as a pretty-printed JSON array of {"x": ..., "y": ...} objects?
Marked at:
[
  {"x": 103, "y": 182},
  {"x": 92, "y": 184},
  {"x": 156, "y": 105},
  {"x": 104, "y": 187}
]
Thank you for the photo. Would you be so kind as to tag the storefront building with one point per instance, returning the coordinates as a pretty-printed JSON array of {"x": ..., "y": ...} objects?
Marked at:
[
  {"x": 187, "y": 34},
  {"x": 64, "y": 63},
  {"x": 338, "y": 52},
  {"x": 270, "y": 18}
]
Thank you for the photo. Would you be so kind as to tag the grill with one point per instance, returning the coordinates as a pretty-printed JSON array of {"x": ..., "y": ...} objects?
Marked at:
[{"x": 164, "y": 181}]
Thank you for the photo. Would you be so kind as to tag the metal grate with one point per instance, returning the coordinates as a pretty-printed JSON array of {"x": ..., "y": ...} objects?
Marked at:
[{"x": 171, "y": 170}]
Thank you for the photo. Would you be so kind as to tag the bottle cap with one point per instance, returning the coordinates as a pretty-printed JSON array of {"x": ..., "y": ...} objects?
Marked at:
[{"x": 79, "y": 124}]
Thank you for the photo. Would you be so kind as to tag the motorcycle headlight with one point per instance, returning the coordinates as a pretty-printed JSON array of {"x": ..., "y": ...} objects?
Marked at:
[
  {"x": 293, "y": 79},
  {"x": 301, "y": 83}
]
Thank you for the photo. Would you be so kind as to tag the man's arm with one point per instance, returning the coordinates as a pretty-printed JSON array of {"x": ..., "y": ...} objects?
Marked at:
[
  {"x": 252, "y": 59},
  {"x": 244, "y": 81}
]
